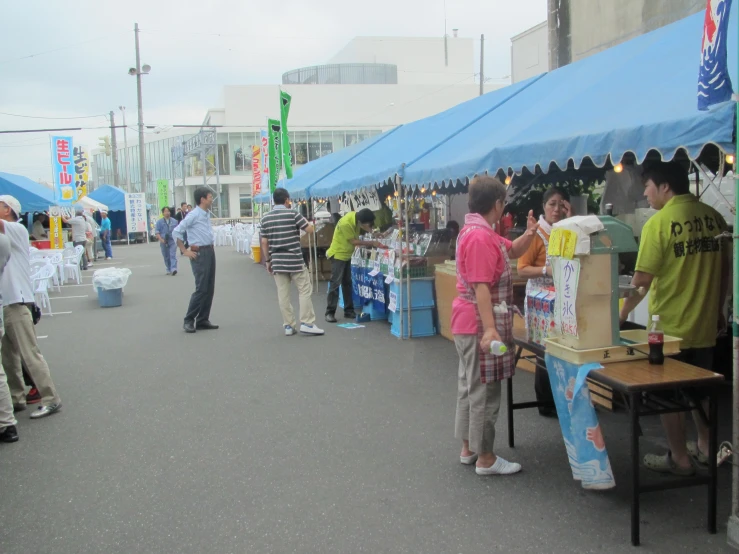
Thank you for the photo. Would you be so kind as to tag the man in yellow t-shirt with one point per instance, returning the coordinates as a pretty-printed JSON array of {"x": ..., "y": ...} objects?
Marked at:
[
  {"x": 685, "y": 268},
  {"x": 346, "y": 237}
]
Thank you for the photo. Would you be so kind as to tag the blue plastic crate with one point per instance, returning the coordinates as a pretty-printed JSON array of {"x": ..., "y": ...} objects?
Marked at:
[
  {"x": 375, "y": 315},
  {"x": 422, "y": 293},
  {"x": 110, "y": 298},
  {"x": 424, "y": 323}
]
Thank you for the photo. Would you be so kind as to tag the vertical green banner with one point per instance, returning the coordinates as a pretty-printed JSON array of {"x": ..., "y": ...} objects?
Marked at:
[
  {"x": 163, "y": 193},
  {"x": 285, "y": 100},
  {"x": 275, "y": 152}
]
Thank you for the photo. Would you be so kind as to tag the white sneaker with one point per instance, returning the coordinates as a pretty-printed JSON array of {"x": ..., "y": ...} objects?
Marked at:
[
  {"x": 500, "y": 467},
  {"x": 289, "y": 331},
  {"x": 310, "y": 329}
]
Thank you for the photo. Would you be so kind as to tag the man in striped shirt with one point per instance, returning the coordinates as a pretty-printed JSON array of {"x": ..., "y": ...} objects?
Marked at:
[{"x": 280, "y": 241}]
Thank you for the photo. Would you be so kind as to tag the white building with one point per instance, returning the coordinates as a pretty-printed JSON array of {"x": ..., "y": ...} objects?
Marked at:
[
  {"x": 372, "y": 85},
  {"x": 530, "y": 53}
]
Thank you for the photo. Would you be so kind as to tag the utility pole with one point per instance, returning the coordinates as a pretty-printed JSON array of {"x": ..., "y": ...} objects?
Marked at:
[
  {"x": 114, "y": 148},
  {"x": 142, "y": 146},
  {"x": 125, "y": 150},
  {"x": 482, "y": 64}
]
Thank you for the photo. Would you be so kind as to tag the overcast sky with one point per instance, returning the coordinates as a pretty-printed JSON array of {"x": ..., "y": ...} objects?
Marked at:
[{"x": 70, "y": 59}]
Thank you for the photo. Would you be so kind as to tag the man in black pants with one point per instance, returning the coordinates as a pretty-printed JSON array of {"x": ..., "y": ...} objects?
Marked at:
[
  {"x": 346, "y": 238},
  {"x": 202, "y": 260}
]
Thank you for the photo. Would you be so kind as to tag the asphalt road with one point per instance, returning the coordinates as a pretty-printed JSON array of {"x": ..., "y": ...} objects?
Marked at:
[{"x": 243, "y": 440}]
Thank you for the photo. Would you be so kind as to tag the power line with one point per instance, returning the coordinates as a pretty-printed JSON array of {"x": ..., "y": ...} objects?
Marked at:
[
  {"x": 107, "y": 37},
  {"x": 44, "y": 117}
]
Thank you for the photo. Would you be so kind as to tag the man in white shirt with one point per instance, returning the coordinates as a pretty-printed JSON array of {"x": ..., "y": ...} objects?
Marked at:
[
  {"x": 19, "y": 341},
  {"x": 8, "y": 431},
  {"x": 79, "y": 231}
]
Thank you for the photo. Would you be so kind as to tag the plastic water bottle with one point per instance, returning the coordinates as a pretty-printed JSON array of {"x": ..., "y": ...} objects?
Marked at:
[
  {"x": 656, "y": 342},
  {"x": 497, "y": 348}
]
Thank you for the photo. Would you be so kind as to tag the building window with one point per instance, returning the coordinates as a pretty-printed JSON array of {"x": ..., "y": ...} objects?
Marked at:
[{"x": 245, "y": 205}]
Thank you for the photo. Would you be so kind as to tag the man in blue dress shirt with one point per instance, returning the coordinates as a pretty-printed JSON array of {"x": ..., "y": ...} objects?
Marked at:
[
  {"x": 163, "y": 229},
  {"x": 202, "y": 260}
]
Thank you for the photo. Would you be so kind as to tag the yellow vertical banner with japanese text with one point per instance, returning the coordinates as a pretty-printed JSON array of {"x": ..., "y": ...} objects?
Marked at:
[{"x": 56, "y": 238}]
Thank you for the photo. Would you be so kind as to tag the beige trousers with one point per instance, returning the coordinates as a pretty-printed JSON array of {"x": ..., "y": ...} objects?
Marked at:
[
  {"x": 478, "y": 404},
  {"x": 6, "y": 403},
  {"x": 90, "y": 250},
  {"x": 20, "y": 342},
  {"x": 302, "y": 283}
]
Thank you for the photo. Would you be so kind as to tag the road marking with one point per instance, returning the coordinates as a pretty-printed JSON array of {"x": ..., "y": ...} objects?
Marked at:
[
  {"x": 63, "y": 297},
  {"x": 43, "y": 337},
  {"x": 59, "y": 313},
  {"x": 82, "y": 285}
]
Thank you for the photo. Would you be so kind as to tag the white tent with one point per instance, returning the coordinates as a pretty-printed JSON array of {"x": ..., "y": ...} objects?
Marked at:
[{"x": 89, "y": 204}]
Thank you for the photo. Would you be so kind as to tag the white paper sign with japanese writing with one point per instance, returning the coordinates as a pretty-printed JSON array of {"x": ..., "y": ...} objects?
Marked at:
[
  {"x": 566, "y": 275},
  {"x": 393, "y": 302},
  {"x": 365, "y": 199},
  {"x": 136, "y": 212}
]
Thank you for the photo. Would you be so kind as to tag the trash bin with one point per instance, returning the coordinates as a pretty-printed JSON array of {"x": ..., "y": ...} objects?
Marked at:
[
  {"x": 110, "y": 298},
  {"x": 108, "y": 284}
]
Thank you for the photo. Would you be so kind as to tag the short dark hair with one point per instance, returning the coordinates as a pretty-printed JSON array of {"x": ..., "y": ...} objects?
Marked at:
[
  {"x": 484, "y": 192},
  {"x": 672, "y": 174},
  {"x": 280, "y": 196},
  {"x": 183, "y": 204},
  {"x": 166, "y": 208},
  {"x": 365, "y": 215},
  {"x": 453, "y": 225},
  {"x": 200, "y": 194},
  {"x": 551, "y": 192}
]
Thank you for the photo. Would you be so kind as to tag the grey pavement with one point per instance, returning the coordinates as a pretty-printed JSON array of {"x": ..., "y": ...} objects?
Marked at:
[{"x": 243, "y": 440}]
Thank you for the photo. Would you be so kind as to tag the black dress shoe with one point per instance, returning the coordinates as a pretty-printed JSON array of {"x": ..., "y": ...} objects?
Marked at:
[
  {"x": 9, "y": 434},
  {"x": 189, "y": 327},
  {"x": 206, "y": 325},
  {"x": 331, "y": 318},
  {"x": 350, "y": 315}
]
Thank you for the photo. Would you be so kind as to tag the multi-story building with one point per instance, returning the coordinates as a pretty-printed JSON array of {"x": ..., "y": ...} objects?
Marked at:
[
  {"x": 577, "y": 29},
  {"x": 370, "y": 86}
]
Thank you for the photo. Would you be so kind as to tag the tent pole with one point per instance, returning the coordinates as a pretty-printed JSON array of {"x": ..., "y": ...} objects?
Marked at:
[
  {"x": 733, "y": 526},
  {"x": 401, "y": 235},
  {"x": 315, "y": 241},
  {"x": 408, "y": 258}
]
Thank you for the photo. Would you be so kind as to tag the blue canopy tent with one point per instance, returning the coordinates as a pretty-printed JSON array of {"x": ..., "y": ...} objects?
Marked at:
[
  {"x": 382, "y": 161},
  {"x": 637, "y": 97},
  {"x": 111, "y": 196},
  {"x": 306, "y": 176},
  {"x": 33, "y": 196},
  {"x": 115, "y": 199}
]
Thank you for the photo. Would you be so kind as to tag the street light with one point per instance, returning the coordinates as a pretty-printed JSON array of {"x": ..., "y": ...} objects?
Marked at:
[{"x": 138, "y": 71}]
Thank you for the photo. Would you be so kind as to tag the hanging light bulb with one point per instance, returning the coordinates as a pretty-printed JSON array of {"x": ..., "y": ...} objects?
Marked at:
[
  {"x": 396, "y": 193},
  {"x": 618, "y": 168},
  {"x": 423, "y": 189},
  {"x": 730, "y": 159},
  {"x": 508, "y": 180},
  {"x": 433, "y": 193}
]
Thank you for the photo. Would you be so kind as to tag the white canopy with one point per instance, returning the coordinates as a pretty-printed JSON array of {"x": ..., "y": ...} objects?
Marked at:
[{"x": 89, "y": 204}]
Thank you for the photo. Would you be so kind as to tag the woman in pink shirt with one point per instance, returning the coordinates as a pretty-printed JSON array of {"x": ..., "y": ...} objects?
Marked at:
[{"x": 482, "y": 314}]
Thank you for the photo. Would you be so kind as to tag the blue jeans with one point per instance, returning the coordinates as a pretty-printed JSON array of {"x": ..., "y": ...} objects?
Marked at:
[
  {"x": 106, "y": 246},
  {"x": 169, "y": 253}
]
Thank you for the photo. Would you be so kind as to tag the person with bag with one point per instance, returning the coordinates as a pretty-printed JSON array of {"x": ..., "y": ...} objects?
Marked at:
[
  {"x": 534, "y": 265},
  {"x": 19, "y": 342},
  {"x": 163, "y": 230},
  {"x": 481, "y": 314}
]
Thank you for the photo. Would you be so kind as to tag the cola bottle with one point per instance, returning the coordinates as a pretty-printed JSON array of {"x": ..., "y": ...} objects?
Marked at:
[{"x": 656, "y": 342}]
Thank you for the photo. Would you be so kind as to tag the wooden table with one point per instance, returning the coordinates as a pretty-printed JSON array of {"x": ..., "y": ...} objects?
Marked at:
[{"x": 649, "y": 390}]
